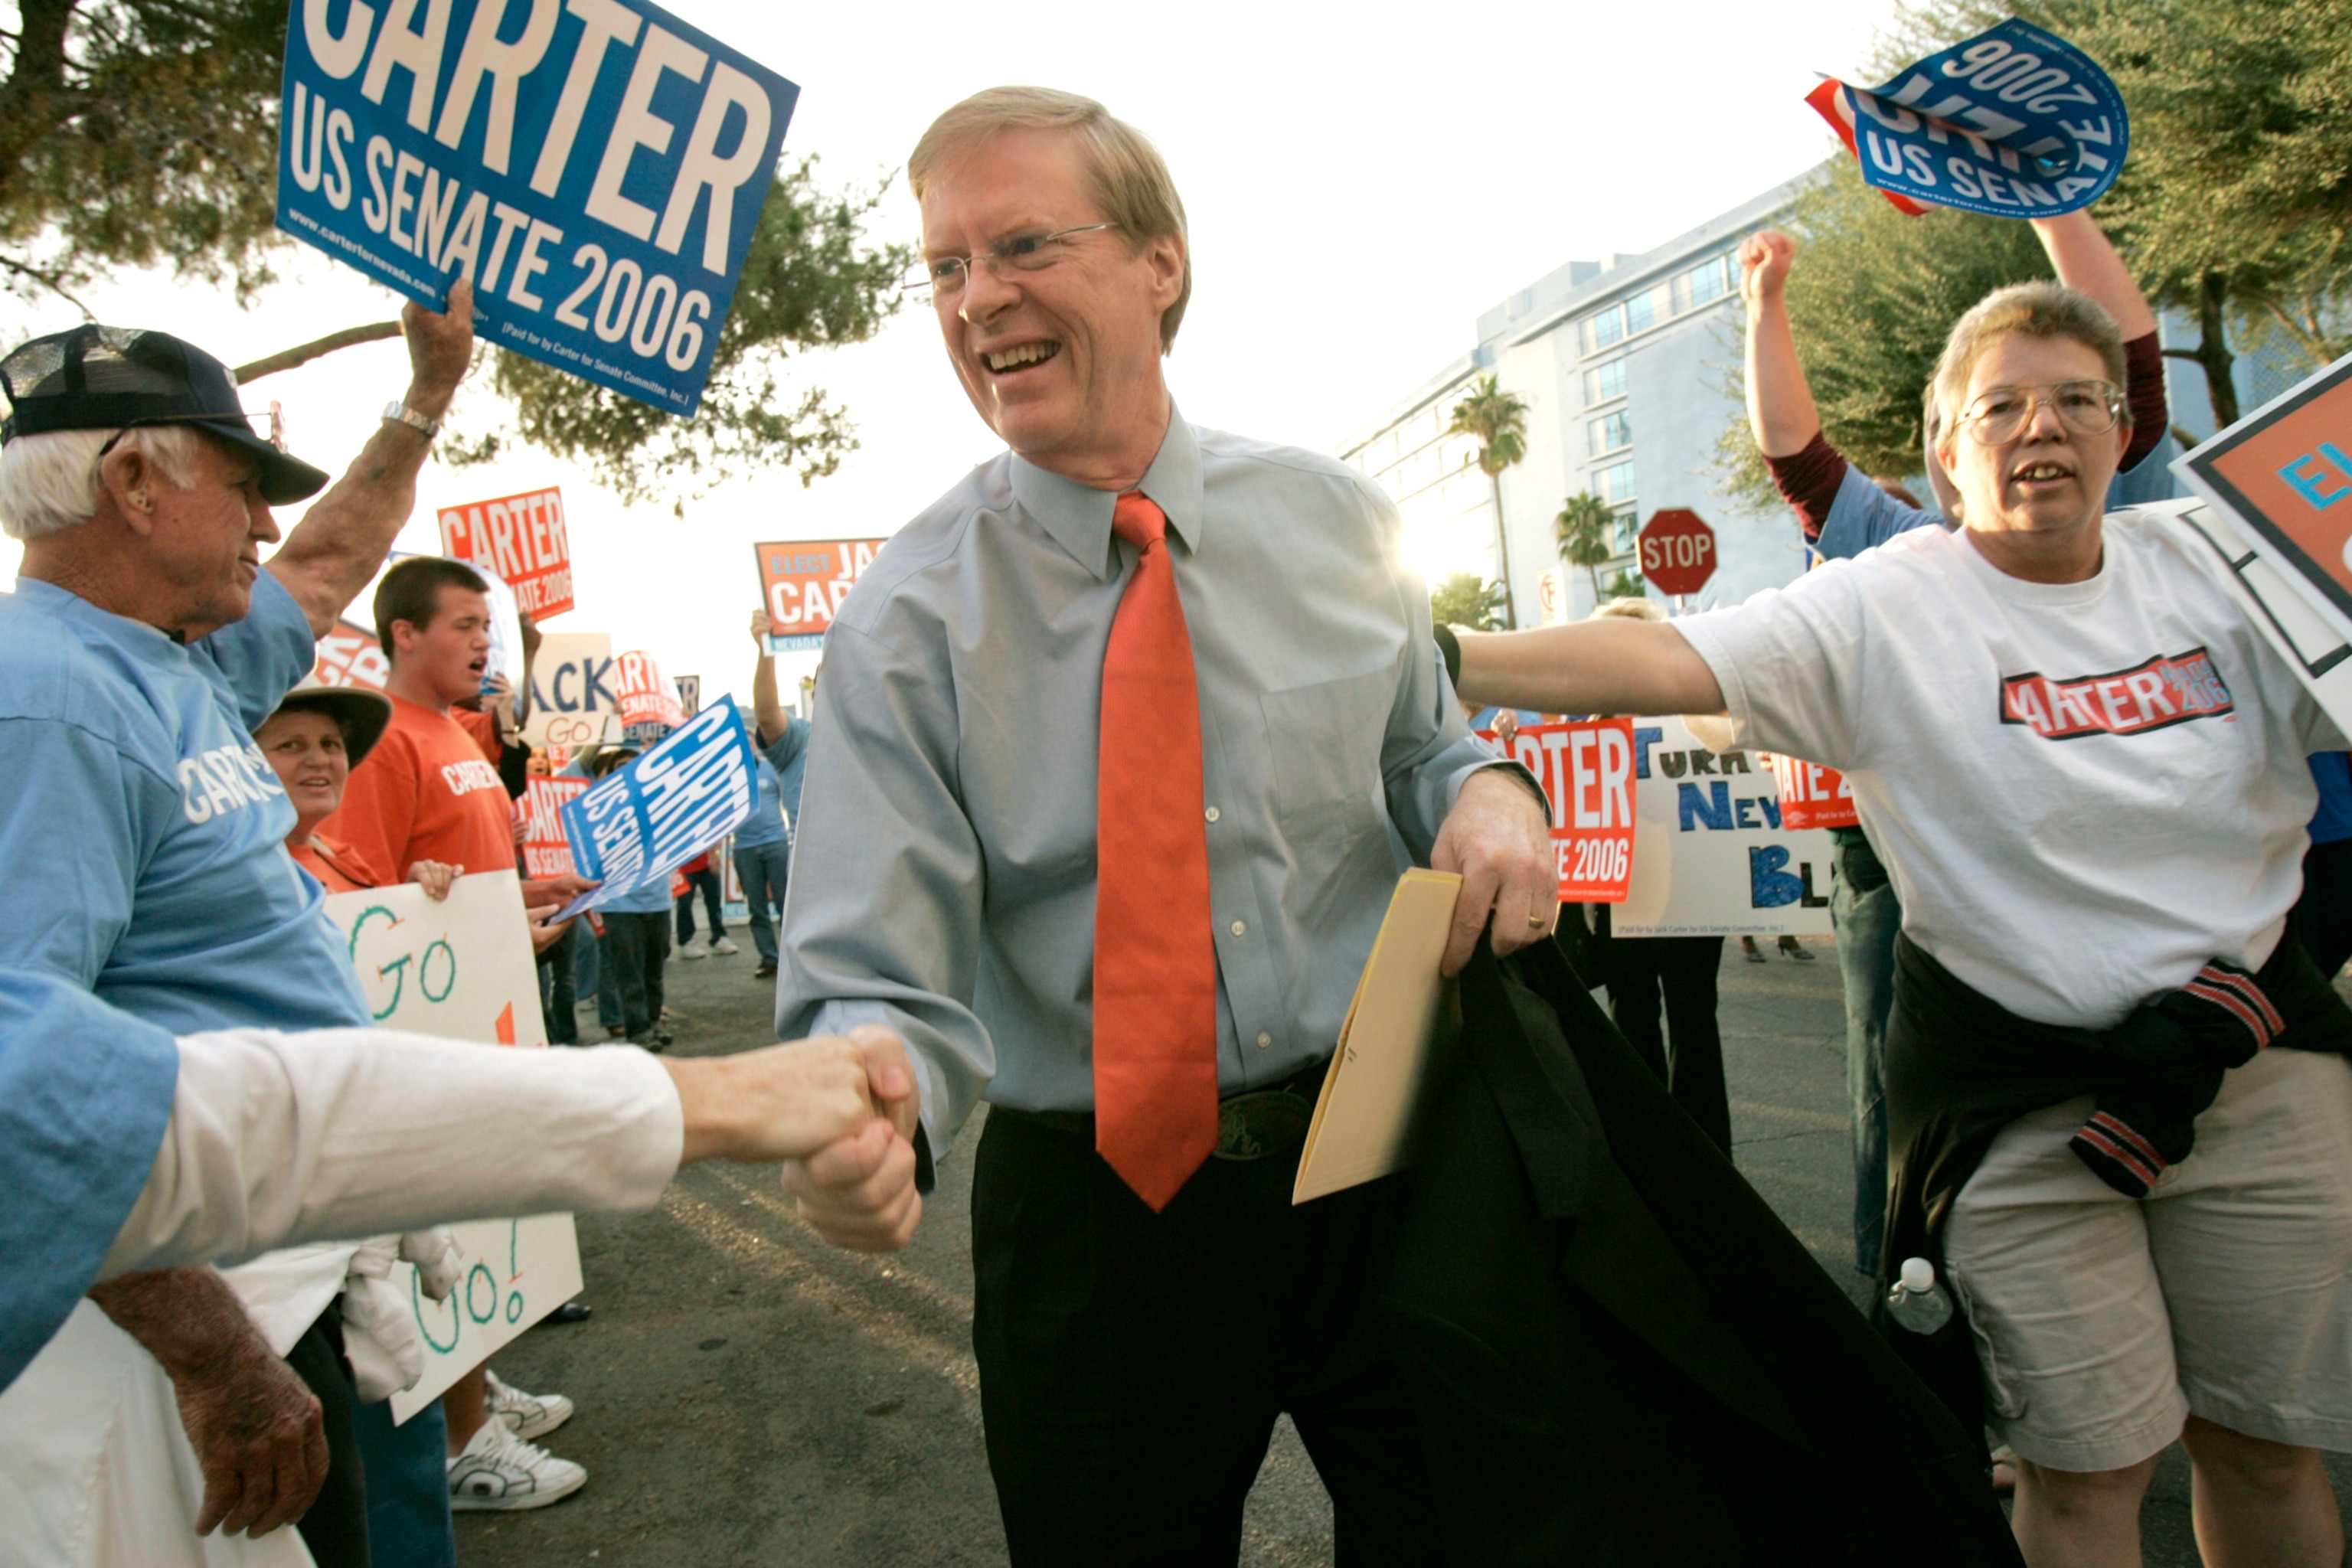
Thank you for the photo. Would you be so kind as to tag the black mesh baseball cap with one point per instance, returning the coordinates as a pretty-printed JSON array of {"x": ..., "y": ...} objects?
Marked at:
[{"x": 120, "y": 378}]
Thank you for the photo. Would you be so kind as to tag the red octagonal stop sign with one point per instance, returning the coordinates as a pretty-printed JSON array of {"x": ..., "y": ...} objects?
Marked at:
[{"x": 1678, "y": 551}]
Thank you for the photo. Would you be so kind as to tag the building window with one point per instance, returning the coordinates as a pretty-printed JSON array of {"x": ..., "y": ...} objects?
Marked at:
[
  {"x": 1621, "y": 535},
  {"x": 1609, "y": 433},
  {"x": 1615, "y": 483},
  {"x": 1601, "y": 331},
  {"x": 1605, "y": 382},
  {"x": 1710, "y": 280}
]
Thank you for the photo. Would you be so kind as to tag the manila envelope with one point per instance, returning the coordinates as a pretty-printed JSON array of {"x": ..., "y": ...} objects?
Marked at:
[{"x": 1365, "y": 1117}]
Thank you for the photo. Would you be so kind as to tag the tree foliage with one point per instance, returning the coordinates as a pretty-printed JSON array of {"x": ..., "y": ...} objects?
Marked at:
[
  {"x": 1466, "y": 599},
  {"x": 130, "y": 134},
  {"x": 136, "y": 132},
  {"x": 1586, "y": 530}
]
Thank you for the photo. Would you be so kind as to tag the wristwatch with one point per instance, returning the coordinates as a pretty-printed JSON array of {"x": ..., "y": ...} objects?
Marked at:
[{"x": 401, "y": 414}]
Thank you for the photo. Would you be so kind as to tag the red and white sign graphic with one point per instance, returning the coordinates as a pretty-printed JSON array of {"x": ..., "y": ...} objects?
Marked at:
[
  {"x": 2165, "y": 690},
  {"x": 803, "y": 582},
  {"x": 1810, "y": 795},
  {"x": 645, "y": 697},
  {"x": 520, "y": 539},
  {"x": 350, "y": 655},
  {"x": 1678, "y": 551},
  {"x": 546, "y": 852},
  {"x": 1587, "y": 774}
]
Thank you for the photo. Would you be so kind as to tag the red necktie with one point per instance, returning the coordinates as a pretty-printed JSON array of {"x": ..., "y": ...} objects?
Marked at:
[{"x": 1155, "y": 956}]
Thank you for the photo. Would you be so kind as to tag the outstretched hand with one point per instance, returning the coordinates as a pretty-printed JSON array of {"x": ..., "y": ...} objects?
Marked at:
[{"x": 1498, "y": 839}]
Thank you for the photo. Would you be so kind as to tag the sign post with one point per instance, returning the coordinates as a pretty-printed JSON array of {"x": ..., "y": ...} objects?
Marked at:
[{"x": 1677, "y": 552}]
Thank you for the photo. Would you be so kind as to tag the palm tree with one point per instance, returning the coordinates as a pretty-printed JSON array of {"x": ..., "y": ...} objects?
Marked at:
[
  {"x": 1497, "y": 421},
  {"x": 1465, "y": 599},
  {"x": 1586, "y": 530}
]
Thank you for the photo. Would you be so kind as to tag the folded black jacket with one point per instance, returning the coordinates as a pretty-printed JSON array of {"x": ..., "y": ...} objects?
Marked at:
[
  {"x": 1618, "y": 1354},
  {"x": 1961, "y": 1067}
]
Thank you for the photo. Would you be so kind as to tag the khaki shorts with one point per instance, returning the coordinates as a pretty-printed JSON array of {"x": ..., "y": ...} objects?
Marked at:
[{"x": 2103, "y": 1323}]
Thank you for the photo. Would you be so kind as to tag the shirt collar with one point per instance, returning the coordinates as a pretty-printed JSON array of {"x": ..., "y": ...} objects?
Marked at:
[
  {"x": 65, "y": 603},
  {"x": 1077, "y": 516}
]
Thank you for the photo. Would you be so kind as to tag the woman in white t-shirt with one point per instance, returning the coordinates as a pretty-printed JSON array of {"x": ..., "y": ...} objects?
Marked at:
[{"x": 2084, "y": 770}]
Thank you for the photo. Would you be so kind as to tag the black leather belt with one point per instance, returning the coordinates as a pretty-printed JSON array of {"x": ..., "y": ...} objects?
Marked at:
[{"x": 1252, "y": 1125}]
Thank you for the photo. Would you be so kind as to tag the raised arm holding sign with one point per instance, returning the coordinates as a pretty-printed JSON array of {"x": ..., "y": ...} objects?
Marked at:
[{"x": 598, "y": 178}]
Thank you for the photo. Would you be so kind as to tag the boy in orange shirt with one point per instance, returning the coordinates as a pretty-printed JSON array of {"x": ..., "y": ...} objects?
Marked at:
[{"x": 427, "y": 793}]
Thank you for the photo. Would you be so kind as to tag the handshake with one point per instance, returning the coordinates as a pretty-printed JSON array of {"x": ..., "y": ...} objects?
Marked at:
[{"x": 839, "y": 1112}]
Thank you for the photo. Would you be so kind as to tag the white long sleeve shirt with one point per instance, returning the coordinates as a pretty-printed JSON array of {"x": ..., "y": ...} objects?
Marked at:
[{"x": 276, "y": 1139}]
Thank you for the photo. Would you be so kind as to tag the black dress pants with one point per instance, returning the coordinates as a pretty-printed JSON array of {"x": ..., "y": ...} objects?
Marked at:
[
  {"x": 1132, "y": 1364},
  {"x": 1680, "y": 971},
  {"x": 336, "y": 1527}
]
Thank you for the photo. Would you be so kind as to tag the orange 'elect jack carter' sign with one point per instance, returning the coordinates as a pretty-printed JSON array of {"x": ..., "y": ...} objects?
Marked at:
[{"x": 2287, "y": 472}]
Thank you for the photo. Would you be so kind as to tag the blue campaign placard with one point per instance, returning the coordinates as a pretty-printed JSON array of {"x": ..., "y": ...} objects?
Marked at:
[
  {"x": 596, "y": 167},
  {"x": 666, "y": 807},
  {"x": 2014, "y": 122}
]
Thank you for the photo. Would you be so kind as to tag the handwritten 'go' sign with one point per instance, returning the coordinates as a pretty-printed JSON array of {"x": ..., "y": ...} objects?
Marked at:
[
  {"x": 2014, "y": 122},
  {"x": 596, "y": 168}
]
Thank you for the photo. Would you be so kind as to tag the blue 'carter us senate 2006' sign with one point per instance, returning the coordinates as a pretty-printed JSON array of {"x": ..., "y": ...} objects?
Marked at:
[
  {"x": 596, "y": 168},
  {"x": 2014, "y": 122},
  {"x": 664, "y": 808}
]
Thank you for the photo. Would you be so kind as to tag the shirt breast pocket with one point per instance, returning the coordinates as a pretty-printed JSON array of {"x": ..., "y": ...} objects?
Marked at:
[{"x": 1326, "y": 742}]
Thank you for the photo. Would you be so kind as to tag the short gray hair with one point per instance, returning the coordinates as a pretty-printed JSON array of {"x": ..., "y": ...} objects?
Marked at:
[
  {"x": 50, "y": 481},
  {"x": 2039, "y": 309}
]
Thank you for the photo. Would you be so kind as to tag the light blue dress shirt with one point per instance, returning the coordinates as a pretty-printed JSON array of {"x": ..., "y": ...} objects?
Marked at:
[
  {"x": 144, "y": 844},
  {"x": 943, "y": 881}
]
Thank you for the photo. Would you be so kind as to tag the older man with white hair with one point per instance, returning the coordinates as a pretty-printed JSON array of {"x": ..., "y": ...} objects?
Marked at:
[{"x": 142, "y": 850}]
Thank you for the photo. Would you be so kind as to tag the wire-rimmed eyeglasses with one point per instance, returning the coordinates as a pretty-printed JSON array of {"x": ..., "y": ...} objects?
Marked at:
[
  {"x": 2085, "y": 407},
  {"x": 944, "y": 276}
]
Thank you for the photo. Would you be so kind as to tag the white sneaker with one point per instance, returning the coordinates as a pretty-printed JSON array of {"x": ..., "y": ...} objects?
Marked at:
[
  {"x": 499, "y": 1470},
  {"x": 724, "y": 948},
  {"x": 532, "y": 1415},
  {"x": 694, "y": 950}
]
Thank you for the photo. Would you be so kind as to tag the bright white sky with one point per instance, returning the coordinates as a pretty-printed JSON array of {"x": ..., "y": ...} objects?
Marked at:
[{"x": 1361, "y": 182}]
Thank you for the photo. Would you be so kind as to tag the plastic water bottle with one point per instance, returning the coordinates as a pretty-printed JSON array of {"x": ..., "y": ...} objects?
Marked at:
[{"x": 1916, "y": 1300}]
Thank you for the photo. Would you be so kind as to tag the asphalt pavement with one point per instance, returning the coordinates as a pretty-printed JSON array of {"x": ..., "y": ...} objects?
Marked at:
[{"x": 750, "y": 1396}]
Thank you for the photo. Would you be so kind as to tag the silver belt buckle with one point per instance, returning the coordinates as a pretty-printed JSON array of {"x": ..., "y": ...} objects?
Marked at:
[{"x": 1269, "y": 1121}]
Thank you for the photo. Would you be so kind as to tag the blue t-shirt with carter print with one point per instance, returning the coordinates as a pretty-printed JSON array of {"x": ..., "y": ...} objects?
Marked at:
[{"x": 143, "y": 839}]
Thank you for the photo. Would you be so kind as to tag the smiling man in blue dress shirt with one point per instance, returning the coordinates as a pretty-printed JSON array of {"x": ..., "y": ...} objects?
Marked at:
[{"x": 1134, "y": 1352}]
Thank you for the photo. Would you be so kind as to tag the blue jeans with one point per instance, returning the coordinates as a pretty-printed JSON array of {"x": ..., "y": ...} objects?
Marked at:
[
  {"x": 762, "y": 868},
  {"x": 1868, "y": 918},
  {"x": 408, "y": 1487},
  {"x": 588, "y": 976}
]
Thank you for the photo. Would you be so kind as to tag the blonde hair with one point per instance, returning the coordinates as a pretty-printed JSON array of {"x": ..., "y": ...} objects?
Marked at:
[
  {"x": 1132, "y": 185},
  {"x": 2037, "y": 309},
  {"x": 1642, "y": 609},
  {"x": 50, "y": 481}
]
